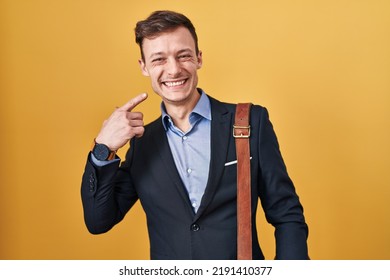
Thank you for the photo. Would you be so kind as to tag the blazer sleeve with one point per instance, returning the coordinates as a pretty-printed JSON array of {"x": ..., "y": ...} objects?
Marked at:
[
  {"x": 107, "y": 194},
  {"x": 278, "y": 196}
]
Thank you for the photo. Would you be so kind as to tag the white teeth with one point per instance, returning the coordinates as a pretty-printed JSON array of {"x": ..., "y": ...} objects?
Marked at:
[{"x": 174, "y": 84}]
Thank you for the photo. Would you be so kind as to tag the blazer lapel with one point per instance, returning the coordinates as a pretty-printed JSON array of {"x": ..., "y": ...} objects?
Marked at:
[
  {"x": 161, "y": 141},
  {"x": 220, "y": 137}
]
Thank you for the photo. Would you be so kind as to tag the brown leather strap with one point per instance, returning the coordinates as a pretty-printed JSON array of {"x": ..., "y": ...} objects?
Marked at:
[{"x": 241, "y": 132}]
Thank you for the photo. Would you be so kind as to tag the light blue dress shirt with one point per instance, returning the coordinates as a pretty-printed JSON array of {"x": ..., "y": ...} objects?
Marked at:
[{"x": 190, "y": 149}]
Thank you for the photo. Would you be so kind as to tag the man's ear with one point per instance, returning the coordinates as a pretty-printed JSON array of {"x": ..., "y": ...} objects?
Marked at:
[
  {"x": 144, "y": 70},
  {"x": 200, "y": 60}
]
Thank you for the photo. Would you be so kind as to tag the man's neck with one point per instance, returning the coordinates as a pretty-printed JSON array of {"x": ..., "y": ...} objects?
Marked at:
[{"x": 180, "y": 113}]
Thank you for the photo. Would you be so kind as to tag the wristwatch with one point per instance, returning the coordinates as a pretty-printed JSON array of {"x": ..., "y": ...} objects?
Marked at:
[{"x": 102, "y": 152}]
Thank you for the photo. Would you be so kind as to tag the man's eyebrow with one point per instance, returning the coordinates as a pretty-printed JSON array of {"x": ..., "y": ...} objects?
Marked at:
[
  {"x": 185, "y": 50},
  {"x": 162, "y": 53}
]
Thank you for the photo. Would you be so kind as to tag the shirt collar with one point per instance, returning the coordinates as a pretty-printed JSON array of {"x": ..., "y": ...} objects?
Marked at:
[{"x": 202, "y": 108}]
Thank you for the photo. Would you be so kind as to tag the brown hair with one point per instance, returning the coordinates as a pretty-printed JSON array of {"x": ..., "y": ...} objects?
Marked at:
[{"x": 162, "y": 21}]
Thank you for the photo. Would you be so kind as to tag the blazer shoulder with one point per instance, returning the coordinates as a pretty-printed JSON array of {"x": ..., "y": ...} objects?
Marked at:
[{"x": 259, "y": 111}]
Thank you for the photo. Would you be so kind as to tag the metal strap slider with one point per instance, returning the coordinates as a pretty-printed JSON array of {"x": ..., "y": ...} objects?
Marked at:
[{"x": 241, "y": 134}]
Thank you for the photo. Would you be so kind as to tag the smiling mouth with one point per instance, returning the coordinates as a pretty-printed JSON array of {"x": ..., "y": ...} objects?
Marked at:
[{"x": 174, "y": 83}]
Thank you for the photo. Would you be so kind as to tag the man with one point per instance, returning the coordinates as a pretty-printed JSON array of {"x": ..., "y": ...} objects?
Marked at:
[{"x": 182, "y": 166}]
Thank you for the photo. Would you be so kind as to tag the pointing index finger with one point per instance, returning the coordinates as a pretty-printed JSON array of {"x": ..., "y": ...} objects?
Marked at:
[{"x": 132, "y": 103}]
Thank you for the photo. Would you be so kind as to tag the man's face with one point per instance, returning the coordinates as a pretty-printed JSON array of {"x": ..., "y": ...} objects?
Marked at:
[{"x": 171, "y": 63}]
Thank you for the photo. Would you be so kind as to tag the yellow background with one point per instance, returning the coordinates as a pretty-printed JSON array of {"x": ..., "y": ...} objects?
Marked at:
[{"x": 322, "y": 68}]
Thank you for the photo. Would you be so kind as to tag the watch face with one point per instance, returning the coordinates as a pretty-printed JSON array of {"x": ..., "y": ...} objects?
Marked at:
[{"x": 101, "y": 152}]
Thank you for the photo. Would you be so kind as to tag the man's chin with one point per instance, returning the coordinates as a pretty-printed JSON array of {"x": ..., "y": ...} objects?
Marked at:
[{"x": 174, "y": 94}]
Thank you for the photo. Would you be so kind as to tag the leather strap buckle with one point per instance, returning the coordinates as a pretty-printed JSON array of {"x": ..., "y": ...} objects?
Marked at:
[{"x": 239, "y": 131}]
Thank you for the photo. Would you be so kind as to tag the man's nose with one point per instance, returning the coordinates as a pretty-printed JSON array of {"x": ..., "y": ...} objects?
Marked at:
[{"x": 173, "y": 67}]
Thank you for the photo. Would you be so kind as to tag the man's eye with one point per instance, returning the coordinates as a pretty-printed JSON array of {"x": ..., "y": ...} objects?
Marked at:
[
  {"x": 158, "y": 59},
  {"x": 185, "y": 56}
]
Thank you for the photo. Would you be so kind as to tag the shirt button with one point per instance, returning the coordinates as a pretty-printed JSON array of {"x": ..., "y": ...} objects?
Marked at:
[
  {"x": 189, "y": 170},
  {"x": 195, "y": 227},
  {"x": 194, "y": 204},
  {"x": 185, "y": 137}
]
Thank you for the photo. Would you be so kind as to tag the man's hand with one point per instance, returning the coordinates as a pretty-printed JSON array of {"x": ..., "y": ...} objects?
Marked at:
[{"x": 122, "y": 125}]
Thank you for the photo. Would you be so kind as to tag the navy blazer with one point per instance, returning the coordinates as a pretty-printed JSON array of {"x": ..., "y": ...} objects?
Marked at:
[{"x": 175, "y": 231}]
